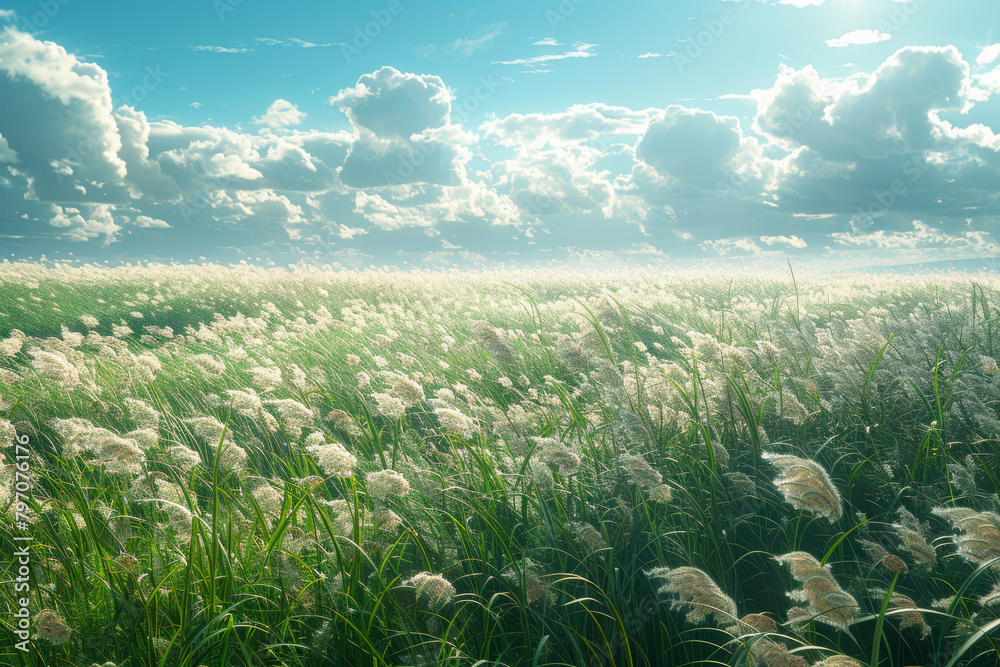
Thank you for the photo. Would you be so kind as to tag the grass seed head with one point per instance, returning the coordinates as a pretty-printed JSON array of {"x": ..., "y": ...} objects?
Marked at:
[
  {"x": 384, "y": 483},
  {"x": 806, "y": 485},
  {"x": 433, "y": 590},
  {"x": 697, "y": 594},
  {"x": 51, "y": 627}
]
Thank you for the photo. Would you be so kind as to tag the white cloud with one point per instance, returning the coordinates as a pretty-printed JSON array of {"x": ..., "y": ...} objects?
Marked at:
[
  {"x": 267, "y": 205},
  {"x": 209, "y": 158},
  {"x": 891, "y": 111},
  {"x": 923, "y": 242},
  {"x": 393, "y": 104},
  {"x": 307, "y": 45},
  {"x": 858, "y": 37},
  {"x": 145, "y": 176},
  {"x": 990, "y": 81},
  {"x": 556, "y": 181},
  {"x": 55, "y": 114},
  {"x": 145, "y": 221},
  {"x": 548, "y": 41},
  {"x": 579, "y": 51},
  {"x": 404, "y": 131},
  {"x": 7, "y": 154},
  {"x": 877, "y": 144},
  {"x": 86, "y": 222},
  {"x": 988, "y": 54},
  {"x": 793, "y": 241},
  {"x": 465, "y": 46},
  {"x": 224, "y": 49},
  {"x": 650, "y": 54},
  {"x": 426, "y": 206},
  {"x": 581, "y": 122},
  {"x": 697, "y": 148},
  {"x": 725, "y": 246},
  {"x": 281, "y": 113},
  {"x": 644, "y": 249}
]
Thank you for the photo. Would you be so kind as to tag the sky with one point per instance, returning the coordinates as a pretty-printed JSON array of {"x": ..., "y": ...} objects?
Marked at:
[{"x": 830, "y": 134}]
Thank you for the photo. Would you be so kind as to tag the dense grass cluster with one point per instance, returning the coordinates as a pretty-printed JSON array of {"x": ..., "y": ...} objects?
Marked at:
[{"x": 238, "y": 466}]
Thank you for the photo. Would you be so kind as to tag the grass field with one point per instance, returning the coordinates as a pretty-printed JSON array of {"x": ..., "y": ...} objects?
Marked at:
[{"x": 240, "y": 466}]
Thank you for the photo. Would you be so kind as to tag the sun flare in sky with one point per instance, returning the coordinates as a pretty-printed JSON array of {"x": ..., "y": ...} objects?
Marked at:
[{"x": 832, "y": 133}]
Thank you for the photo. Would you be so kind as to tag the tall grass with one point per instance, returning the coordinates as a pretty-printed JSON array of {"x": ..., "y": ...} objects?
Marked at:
[{"x": 334, "y": 468}]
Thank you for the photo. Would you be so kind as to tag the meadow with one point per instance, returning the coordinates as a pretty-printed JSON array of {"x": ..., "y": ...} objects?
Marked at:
[{"x": 312, "y": 467}]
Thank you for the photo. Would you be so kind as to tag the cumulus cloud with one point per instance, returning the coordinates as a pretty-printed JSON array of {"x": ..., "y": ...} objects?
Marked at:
[
  {"x": 879, "y": 141},
  {"x": 691, "y": 145},
  {"x": 893, "y": 110},
  {"x": 206, "y": 157},
  {"x": 990, "y": 80},
  {"x": 404, "y": 131},
  {"x": 145, "y": 176},
  {"x": 55, "y": 115},
  {"x": 694, "y": 148},
  {"x": 281, "y": 113},
  {"x": 85, "y": 222},
  {"x": 820, "y": 148},
  {"x": 395, "y": 105},
  {"x": 555, "y": 181}
]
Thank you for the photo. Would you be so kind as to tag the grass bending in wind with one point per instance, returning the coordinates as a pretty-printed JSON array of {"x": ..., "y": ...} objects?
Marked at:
[{"x": 364, "y": 468}]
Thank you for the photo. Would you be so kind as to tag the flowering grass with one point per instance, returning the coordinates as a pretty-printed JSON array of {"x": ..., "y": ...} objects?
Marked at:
[{"x": 239, "y": 466}]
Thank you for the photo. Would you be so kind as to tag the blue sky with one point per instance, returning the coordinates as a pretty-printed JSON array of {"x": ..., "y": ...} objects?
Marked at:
[{"x": 835, "y": 133}]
